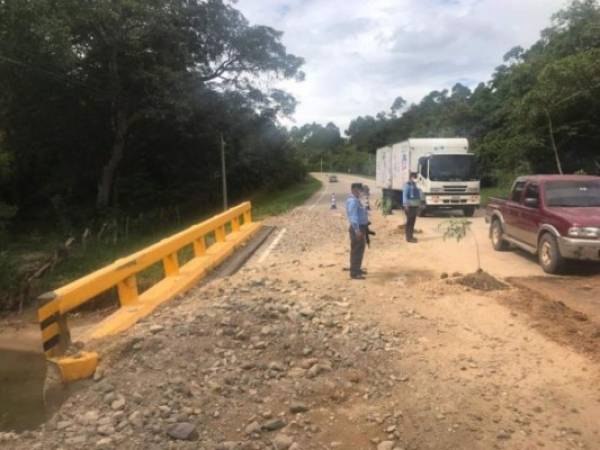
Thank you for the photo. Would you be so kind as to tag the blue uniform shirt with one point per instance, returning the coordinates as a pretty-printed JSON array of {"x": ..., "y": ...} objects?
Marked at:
[
  {"x": 410, "y": 192},
  {"x": 356, "y": 212}
]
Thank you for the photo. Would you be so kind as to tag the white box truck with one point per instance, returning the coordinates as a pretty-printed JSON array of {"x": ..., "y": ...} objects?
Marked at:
[{"x": 446, "y": 173}]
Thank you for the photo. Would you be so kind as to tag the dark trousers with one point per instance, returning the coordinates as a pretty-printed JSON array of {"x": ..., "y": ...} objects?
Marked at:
[
  {"x": 411, "y": 218},
  {"x": 357, "y": 251}
]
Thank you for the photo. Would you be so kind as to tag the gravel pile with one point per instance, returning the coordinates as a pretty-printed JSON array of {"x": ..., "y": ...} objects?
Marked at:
[{"x": 261, "y": 365}]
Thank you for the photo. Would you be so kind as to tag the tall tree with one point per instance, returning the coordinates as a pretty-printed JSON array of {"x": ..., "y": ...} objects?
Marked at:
[
  {"x": 123, "y": 90},
  {"x": 573, "y": 81}
]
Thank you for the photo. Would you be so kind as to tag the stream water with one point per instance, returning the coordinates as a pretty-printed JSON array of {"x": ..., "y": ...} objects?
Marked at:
[{"x": 22, "y": 375}]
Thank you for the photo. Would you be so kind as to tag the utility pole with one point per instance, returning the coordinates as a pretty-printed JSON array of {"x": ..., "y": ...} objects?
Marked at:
[{"x": 224, "y": 173}]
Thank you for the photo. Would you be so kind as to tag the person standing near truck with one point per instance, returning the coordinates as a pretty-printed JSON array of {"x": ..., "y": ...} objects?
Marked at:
[
  {"x": 411, "y": 200},
  {"x": 359, "y": 221}
]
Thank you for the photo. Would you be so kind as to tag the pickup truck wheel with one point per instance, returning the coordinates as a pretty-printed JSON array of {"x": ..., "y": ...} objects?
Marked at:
[
  {"x": 549, "y": 255},
  {"x": 496, "y": 235}
]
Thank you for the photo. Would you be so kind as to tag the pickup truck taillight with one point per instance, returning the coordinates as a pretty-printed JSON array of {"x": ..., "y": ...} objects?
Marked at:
[{"x": 584, "y": 232}]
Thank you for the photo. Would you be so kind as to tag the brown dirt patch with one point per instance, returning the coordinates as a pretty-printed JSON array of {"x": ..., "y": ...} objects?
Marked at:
[
  {"x": 402, "y": 277},
  {"x": 580, "y": 293},
  {"x": 481, "y": 281},
  {"x": 400, "y": 229},
  {"x": 556, "y": 320}
]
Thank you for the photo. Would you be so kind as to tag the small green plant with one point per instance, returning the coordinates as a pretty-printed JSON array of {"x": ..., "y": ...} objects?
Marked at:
[
  {"x": 458, "y": 229},
  {"x": 385, "y": 205},
  {"x": 455, "y": 228}
]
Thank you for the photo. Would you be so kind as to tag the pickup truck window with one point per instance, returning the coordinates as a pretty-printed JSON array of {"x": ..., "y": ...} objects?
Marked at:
[
  {"x": 532, "y": 191},
  {"x": 515, "y": 195},
  {"x": 573, "y": 194}
]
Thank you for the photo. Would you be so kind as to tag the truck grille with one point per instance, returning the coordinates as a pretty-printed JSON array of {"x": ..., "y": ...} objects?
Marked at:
[{"x": 455, "y": 189}]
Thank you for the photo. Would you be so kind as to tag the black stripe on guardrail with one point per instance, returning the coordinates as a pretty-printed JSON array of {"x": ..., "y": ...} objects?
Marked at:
[
  {"x": 49, "y": 320},
  {"x": 51, "y": 343}
]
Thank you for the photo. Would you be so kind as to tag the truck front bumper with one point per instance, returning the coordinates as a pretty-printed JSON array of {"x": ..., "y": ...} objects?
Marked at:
[
  {"x": 583, "y": 249},
  {"x": 452, "y": 200}
]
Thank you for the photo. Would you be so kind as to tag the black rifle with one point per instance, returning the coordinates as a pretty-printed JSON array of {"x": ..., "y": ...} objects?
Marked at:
[{"x": 369, "y": 233}]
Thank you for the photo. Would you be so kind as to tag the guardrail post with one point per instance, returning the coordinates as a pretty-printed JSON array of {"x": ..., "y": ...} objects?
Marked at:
[
  {"x": 220, "y": 233},
  {"x": 128, "y": 290},
  {"x": 248, "y": 216},
  {"x": 56, "y": 337},
  {"x": 171, "y": 265},
  {"x": 199, "y": 247},
  {"x": 235, "y": 224},
  {"x": 65, "y": 336}
]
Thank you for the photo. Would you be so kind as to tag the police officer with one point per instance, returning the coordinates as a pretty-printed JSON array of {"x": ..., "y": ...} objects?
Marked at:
[
  {"x": 411, "y": 200},
  {"x": 359, "y": 220}
]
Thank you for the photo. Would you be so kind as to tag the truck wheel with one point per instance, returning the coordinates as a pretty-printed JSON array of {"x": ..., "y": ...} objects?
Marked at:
[
  {"x": 423, "y": 212},
  {"x": 468, "y": 211},
  {"x": 548, "y": 254},
  {"x": 496, "y": 234}
]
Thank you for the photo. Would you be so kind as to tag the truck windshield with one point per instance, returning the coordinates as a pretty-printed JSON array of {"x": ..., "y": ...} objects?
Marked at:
[
  {"x": 452, "y": 168},
  {"x": 573, "y": 193}
]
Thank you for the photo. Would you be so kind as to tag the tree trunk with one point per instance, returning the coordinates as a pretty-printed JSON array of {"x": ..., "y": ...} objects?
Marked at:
[
  {"x": 105, "y": 186},
  {"x": 120, "y": 127},
  {"x": 553, "y": 141}
]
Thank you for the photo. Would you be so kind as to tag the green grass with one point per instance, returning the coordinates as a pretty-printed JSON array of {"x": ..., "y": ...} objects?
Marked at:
[
  {"x": 100, "y": 253},
  {"x": 272, "y": 203},
  {"x": 497, "y": 191}
]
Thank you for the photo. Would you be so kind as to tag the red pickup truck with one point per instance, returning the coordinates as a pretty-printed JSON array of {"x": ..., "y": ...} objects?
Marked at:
[{"x": 556, "y": 217}]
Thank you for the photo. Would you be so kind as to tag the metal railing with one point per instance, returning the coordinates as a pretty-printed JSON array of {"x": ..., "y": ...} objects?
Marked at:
[{"x": 227, "y": 230}]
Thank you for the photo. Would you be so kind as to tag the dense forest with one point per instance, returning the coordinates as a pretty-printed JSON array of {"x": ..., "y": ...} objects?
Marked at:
[
  {"x": 117, "y": 108},
  {"x": 540, "y": 112},
  {"x": 112, "y": 114}
]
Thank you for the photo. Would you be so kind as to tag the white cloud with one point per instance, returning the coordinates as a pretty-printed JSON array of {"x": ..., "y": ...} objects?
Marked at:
[{"x": 361, "y": 54}]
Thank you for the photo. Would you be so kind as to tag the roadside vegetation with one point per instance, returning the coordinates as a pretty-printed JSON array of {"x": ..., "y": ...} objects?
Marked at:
[
  {"x": 495, "y": 191},
  {"x": 112, "y": 116},
  {"x": 272, "y": 203},
  {"x": 26, "y": 252},
  {"x": 539, "y": 112}
]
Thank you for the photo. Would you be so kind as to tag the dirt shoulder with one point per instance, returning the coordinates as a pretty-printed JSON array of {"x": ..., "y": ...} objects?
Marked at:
[{"x": 291, "y": 354}]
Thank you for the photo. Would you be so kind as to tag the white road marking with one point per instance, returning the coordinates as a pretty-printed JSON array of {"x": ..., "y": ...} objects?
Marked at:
[{"x": 270, "y": 248}]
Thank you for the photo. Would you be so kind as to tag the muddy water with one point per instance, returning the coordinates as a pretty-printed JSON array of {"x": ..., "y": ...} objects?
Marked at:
[
  {"x": 21, "y": 389},
  {"x": 22, "y": 374}
]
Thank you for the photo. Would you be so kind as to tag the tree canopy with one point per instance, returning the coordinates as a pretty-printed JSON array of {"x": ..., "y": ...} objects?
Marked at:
[
  {"x": 539, "y": 112},
  {"x": 118, "y": 104}
]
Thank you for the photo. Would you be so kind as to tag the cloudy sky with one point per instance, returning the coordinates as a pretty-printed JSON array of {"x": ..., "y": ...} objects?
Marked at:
[{"x": 361, "y": 54}]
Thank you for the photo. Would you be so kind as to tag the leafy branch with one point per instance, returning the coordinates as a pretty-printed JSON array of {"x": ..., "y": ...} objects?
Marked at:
[{"x": 458, "y": 229}]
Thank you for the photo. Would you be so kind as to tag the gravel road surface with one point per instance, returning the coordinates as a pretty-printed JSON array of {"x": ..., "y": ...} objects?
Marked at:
[{"x": 289, "y": 353}]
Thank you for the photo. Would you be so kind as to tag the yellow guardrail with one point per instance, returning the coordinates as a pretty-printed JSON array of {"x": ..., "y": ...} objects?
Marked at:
[{"x": 229, "y": 230}]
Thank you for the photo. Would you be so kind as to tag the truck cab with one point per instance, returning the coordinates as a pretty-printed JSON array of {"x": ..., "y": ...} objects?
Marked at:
[
  {"x": 447, "y": 175},
  {"x": 449, "y": 181}
]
